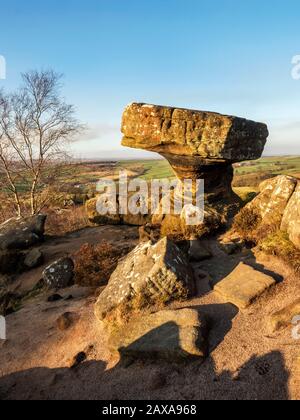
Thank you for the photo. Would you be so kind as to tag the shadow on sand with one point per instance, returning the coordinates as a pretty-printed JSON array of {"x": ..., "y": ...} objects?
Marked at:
[{"x": 261, "y": 378}]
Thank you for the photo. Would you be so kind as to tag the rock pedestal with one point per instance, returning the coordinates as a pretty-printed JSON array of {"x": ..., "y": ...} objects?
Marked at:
[{"x": 198, "y": 145}]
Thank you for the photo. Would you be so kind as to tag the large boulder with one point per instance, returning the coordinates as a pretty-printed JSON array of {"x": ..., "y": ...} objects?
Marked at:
[
  {"x": 150, "y": 273},
  {"x": 278, "y": 206},
  {"x": 170, "y": 335},
  {"x": 274, "y": 196},
  {"x": 17, "y": 236},
  {"x": 22, "y": 233},
  {"x": 291, "y": 218}
]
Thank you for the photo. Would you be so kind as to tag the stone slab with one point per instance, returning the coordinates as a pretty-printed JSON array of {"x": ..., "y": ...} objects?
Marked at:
[{"x": 243, "y": 286}]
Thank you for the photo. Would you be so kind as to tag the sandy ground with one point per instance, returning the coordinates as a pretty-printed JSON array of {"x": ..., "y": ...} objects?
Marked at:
[{"x": 245, "y": 361}]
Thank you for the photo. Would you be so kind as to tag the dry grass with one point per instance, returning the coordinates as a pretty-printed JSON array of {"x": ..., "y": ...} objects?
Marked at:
[
  {"x": 94, "y": 264},
  {"x": 60, "y": 222}
]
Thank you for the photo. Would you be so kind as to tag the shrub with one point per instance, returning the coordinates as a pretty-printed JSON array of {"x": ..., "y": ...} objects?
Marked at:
[
  {"x": 246, "y": 222},
  {"x": 279, "y": 245},
  {"x": 94, "y": 264}
]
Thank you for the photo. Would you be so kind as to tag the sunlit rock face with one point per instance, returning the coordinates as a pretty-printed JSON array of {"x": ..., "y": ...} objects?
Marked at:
[{"x": 198, "y": 145}]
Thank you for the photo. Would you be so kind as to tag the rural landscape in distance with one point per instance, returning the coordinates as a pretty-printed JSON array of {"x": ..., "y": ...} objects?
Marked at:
[{"x": 149, "y": 228}]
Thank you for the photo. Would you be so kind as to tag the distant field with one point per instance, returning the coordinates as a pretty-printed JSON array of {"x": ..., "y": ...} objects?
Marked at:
[{"x": 268, "y": 165}]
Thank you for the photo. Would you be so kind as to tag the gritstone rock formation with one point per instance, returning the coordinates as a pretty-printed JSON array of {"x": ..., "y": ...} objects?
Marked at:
[{"x": 198, "y": 145}]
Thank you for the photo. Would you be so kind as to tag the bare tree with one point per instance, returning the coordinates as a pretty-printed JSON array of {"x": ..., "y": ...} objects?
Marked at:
[{"x": 35, "y": 125}]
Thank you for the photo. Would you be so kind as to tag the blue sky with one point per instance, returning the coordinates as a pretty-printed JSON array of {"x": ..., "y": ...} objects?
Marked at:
[{"x": 229, "y": 56}]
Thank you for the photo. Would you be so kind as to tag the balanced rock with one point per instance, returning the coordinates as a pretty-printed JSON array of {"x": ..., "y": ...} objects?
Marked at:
[
  {"x": 243, "y": 286},
  {"x": 170, "y": 335},
  {"x": 199, "y": 146},
  {"x": 152, "y": 273},
  {"x": 60, "y": 274}
]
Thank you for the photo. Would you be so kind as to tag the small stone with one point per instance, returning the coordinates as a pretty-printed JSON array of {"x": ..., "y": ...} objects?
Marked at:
[
  {"x": 33, "y": 259},
  {"x": 60, "y": 274}
]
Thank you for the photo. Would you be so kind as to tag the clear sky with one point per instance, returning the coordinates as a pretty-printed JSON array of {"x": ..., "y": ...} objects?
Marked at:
[{"x": 230, "y": 56}]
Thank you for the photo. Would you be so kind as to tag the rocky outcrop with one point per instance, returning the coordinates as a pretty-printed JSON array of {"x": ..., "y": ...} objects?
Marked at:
[
  {"x": 113, "y": 219},
  {"x": 17, "y": 236},
  {"x": 170, "y": 335},
  {"x": 278, "y": 206},
  {"x": 199, "y": 146},
  {"x": 150, "y": 274}
]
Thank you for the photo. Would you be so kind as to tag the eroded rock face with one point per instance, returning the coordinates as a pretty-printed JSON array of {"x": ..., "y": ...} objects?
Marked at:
[
  {"x": 184, "y": 132},
  {"x": 291, "y": 218},
  {"x": 278, "y": 205},
  {"x": 199, "y": 146},
  {"x": 274, "y": 197},
  {"x": 151, "y": 273},
  {"x": 170, "y": 335}
]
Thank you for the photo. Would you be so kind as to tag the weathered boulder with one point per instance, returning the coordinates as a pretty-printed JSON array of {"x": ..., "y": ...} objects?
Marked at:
[
  {"x": 150, "y": 273},
  {"x": 19, "y": 233},
  {"x": 199, "y": 146},
  {"x": 60, "y": 274},
  {"x": 170, "y": 335},
  {"x": 243, "y": 286},
  {"x": 114, "y": 219},
  {"x": 283, "y": 318},
  {"x": 291, "y": 218},
  {"x": 274, "y": 196},
  {"x": 278, "y": 206}
]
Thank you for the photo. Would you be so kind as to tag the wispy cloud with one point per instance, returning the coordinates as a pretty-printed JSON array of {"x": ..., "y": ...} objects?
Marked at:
[{"x": 99, "y": 131}]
